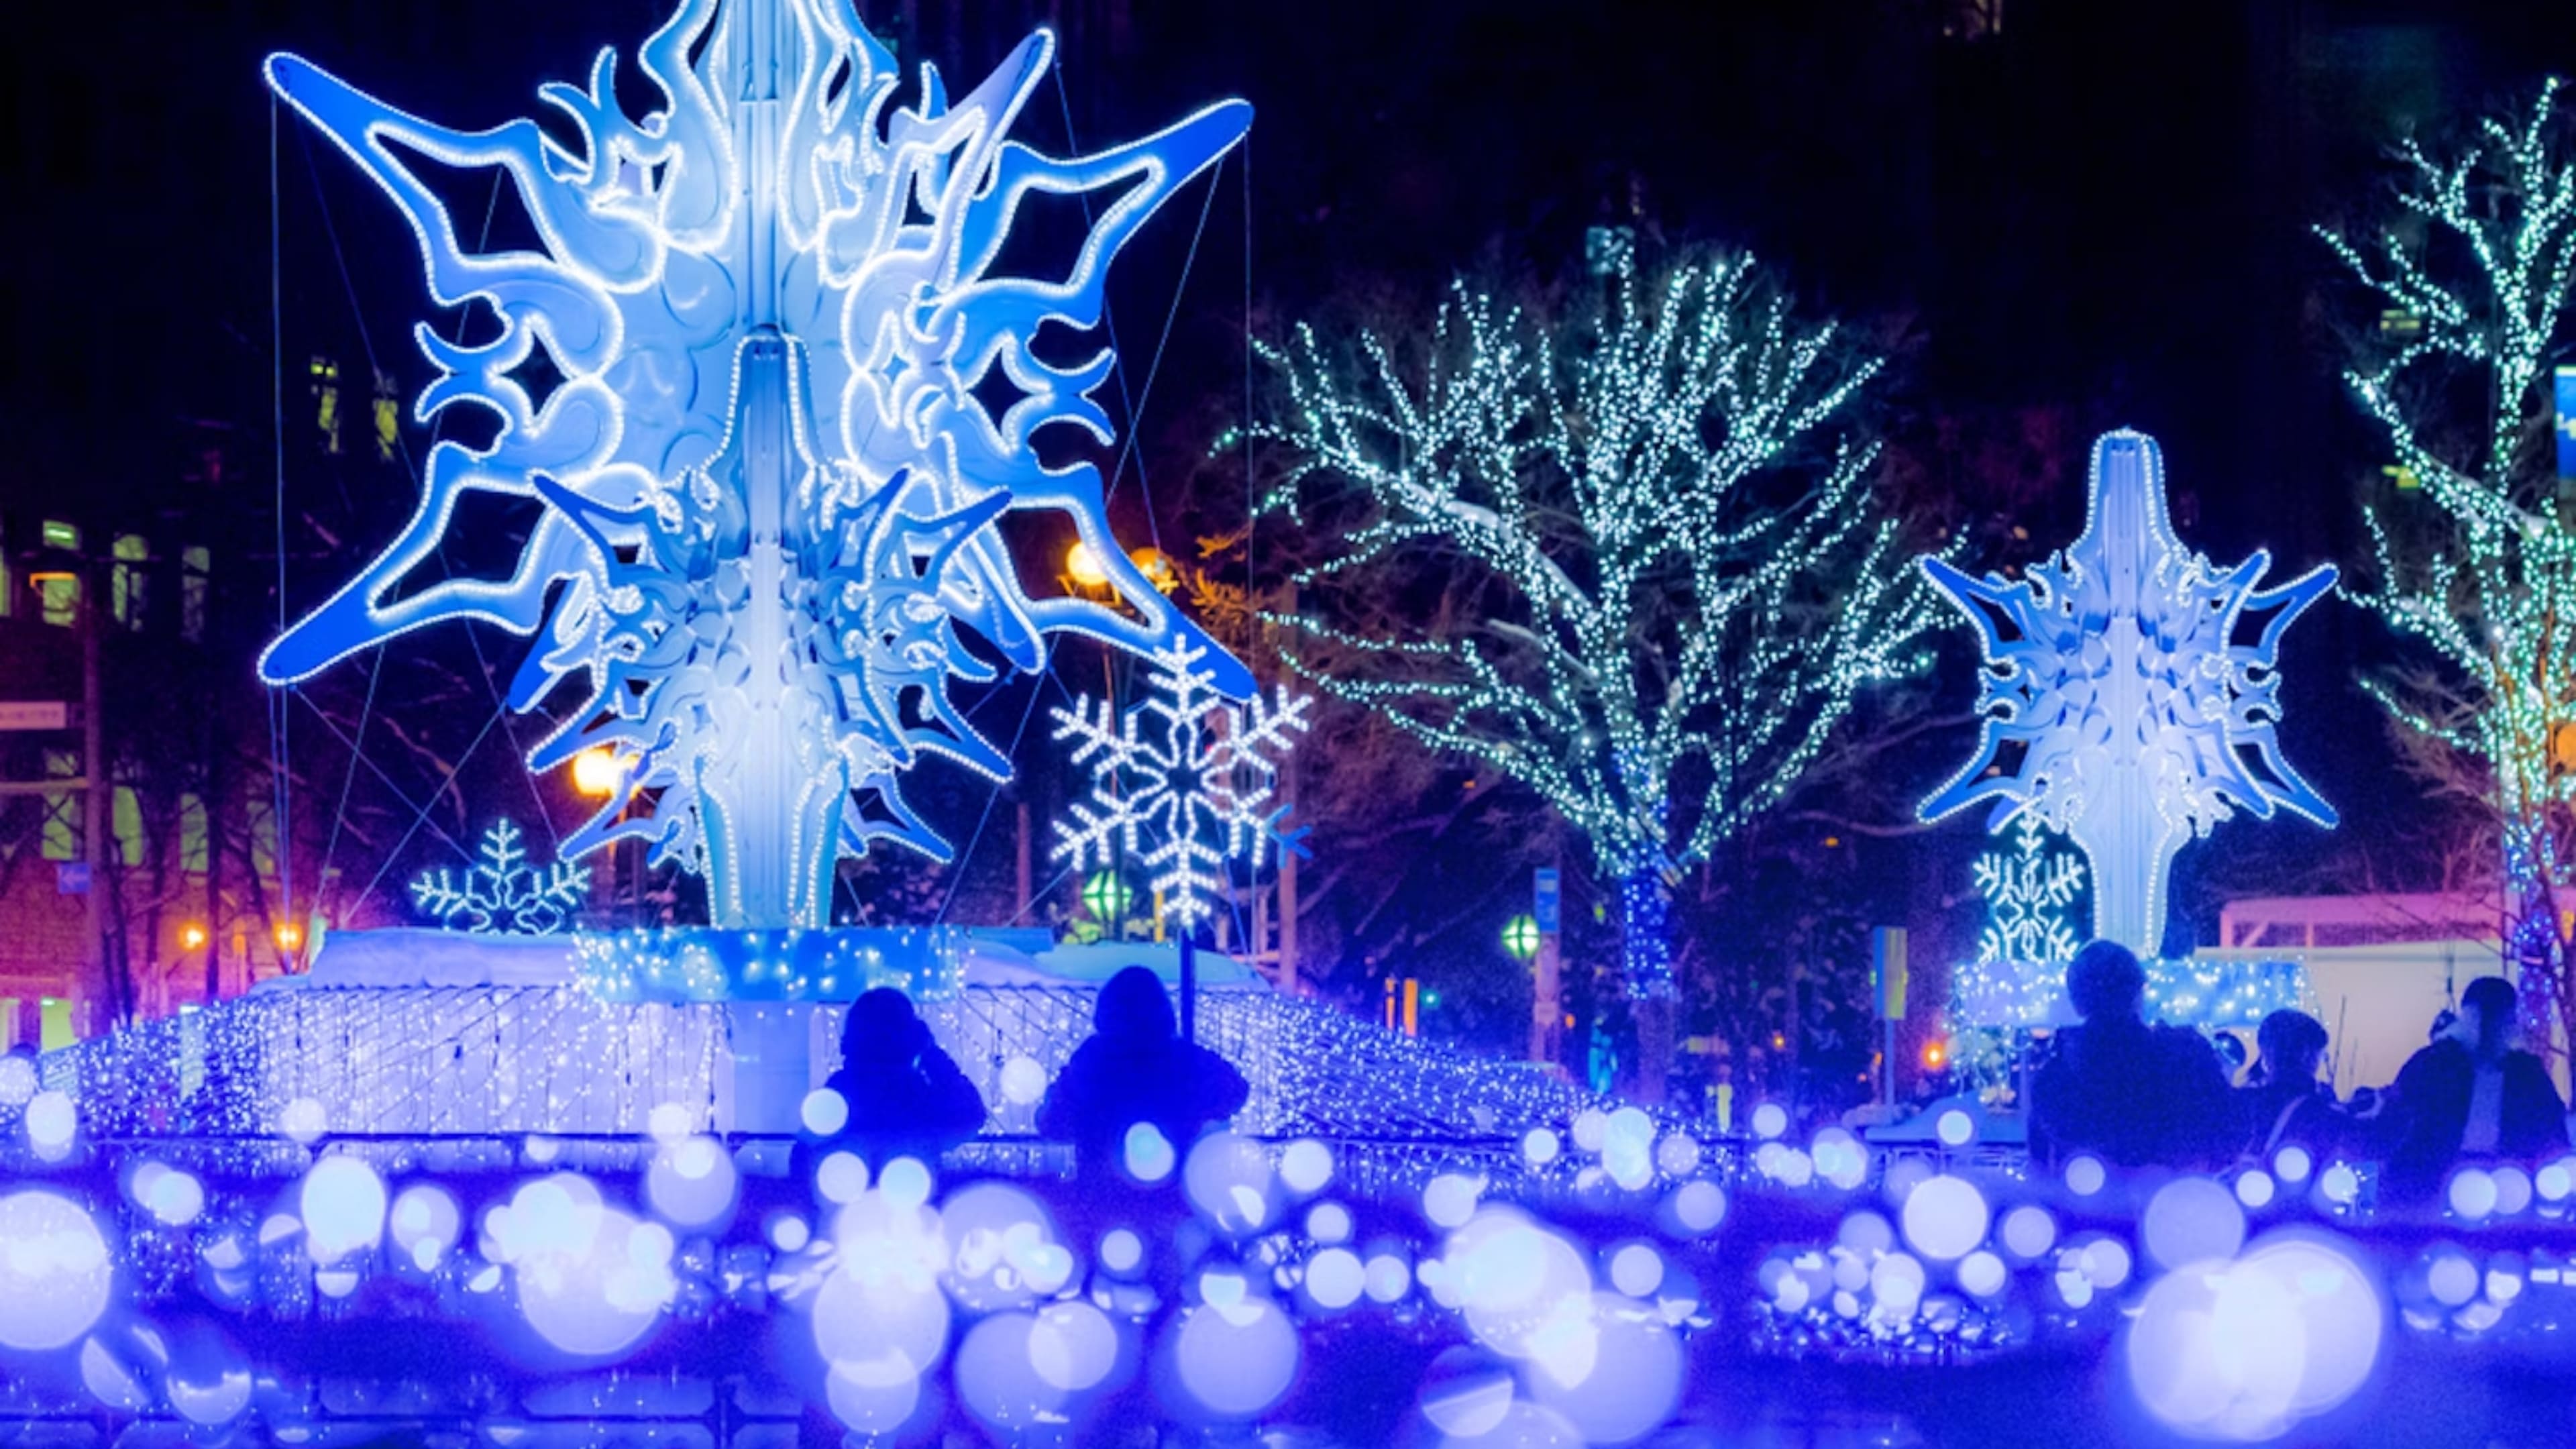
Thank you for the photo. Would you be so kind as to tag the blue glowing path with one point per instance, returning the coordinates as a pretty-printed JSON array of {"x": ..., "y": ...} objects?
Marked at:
[{"x": 774, "y": 469}]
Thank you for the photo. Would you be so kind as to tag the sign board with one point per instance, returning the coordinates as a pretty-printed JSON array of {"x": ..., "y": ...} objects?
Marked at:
[
  {"x": 2565, "y": 418},
  {"x": 35, "y": 714},
  {"x": 1887, "y": 970},
  {"x": 71, "y": 878},
  {"x": 1547, "y": 900}
]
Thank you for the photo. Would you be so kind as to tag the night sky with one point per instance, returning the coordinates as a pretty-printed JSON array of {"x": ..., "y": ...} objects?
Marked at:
[{"x": 2096, "y": 217}]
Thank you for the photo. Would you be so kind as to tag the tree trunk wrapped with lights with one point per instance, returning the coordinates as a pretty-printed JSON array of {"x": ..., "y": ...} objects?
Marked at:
[{"x": 1628, "y": 559}]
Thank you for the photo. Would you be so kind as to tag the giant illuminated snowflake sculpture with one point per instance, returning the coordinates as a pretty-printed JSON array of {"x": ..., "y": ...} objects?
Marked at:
[
  {"x": 503, "y": 891},
  {"x": 796, "y": 401},
  {"x": 1182, "y": 783},
  {"x": 2119, "y": 704}
]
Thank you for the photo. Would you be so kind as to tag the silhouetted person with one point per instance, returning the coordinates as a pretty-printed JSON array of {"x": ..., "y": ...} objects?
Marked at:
[
  {"x": 906, "y": 1096},
  {"x": 2469, "y": 1095},
  {"x": 2284, "y": 1105},
  {"x": 2118, "y": 1086},
  {"x": 1135, "y": 1068}
]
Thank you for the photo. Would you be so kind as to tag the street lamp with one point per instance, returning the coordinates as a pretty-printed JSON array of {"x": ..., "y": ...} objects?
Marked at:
[
  {"x": 1084, "y": 567},
  {"x": 1520, "y": 937},
  {"x": 598, "y": 772}
]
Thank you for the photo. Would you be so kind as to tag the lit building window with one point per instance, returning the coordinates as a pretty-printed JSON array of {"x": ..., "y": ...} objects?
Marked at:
[
  {"x": 58, "y": 597},
  {"x": 62, "y": 834},
  {"x": 125, "y": 816},
  {"x": 129, "y": 582},
  {"x": 196, "y": 581},
  {"x": 388, "y": 419},
  {"x": 192, "y": 834},
  {"x": 59, "y": 534},
  {"x": 326, "y": 402}
]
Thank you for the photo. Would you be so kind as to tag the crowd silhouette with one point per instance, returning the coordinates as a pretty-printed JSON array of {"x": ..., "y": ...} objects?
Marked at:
[
  {"x": 2140, "y": 1093},
  {"x": 2118, "y": 1086}
]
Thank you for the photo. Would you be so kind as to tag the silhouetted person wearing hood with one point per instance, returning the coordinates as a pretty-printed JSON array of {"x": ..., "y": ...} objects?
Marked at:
[
  {"x": 2470, "y": 1095},
  {"x": 906, "y": 1096},
  {"x": 1135, "y": 1068},
  {"x": 2284, "y": 1105},
  {"x": 2132, "y": 1091}
]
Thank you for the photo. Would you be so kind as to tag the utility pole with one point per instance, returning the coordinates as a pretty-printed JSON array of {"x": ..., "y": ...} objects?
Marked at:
[{"x": 96, "y": 783}]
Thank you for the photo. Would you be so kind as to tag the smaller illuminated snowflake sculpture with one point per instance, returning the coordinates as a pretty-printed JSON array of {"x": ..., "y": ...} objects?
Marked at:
[
  {"x": 505, "y": 894},
  {"x": 2119, "y": 704},
  {"x": 2027, "y": 938},
  {"x": 1182, "y": 783}
]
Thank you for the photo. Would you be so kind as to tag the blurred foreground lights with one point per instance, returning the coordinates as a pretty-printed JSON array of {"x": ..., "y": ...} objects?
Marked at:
[
  {"x": 425, "y": 1224},
  {"x": 1306, "y": 1166},
  {"x": 1983, "y": 1274},
  {"x": 1121, "y": 1250},
  {"x": 2513, "y": 1190},
  {"x": 1628, "y": 1148},
  {"x": 1840, "y": 1158},
  {"x": 2556, "y": 1181},
  {"x": 54, "y": 1271},
  {"x": 1955, "y": 1128},
  {"x": 1234, "y": 1358},
  {"x": 591, "y": 1279},
  {"x": 881, "y": 1320},
  {"x": 2246, "y": 1350},
  {"x": 17, "y": 1081},
  {"x": 2471, "y": 1194},
  {"x": 2191, "y": 1220},
  {"x": 303, "y": 1120},
  {"x": 1328, "y": 1222},
  {"x": 1636, "y": 1270},
  {"x": 342, "y": 1204},
  {"x": 1335, "y": 1278},
  {"x": 2292, "y": 1164},
  {"x": 1002, "y": 1249},
  {"x": 1451, "y": 1199},
  {"x": 1770, "y": 1120},
  {"x": 669, "y": 1122},
  {"x": 1629, "y": 1381},
  {"x": 52, "y": 1121},
  {"x": 1023, "y": 1081},
  {"x": 2029, "y": 1232},
  {"x": 2254, "y": 1188},
  {"x": 1147, "y": 1154},
  {"x": 1228, "y": 1181},
  {"x": 1698, "y": 1206},
  {"x": 691, "y": 1183},
  {"x": 1389, "y": 1278},
  {"x": 2085, "y": 1176},
  {"x": 824, "y": 1112},
  {"x": 173, "y": 1197},
  {"x": 2339, "y": 1185},
  {"x": 840, "y": 1177},
  {"x": 905, "y": 1182},
  {"x": 1540, "y": 1146},
  {"x": 1945, "y": 1218}
]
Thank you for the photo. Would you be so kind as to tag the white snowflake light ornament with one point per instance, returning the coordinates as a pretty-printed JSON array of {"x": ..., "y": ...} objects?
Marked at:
[
  {"x": 1183, "y": 782},
  {"x": 505, "y": 894}
]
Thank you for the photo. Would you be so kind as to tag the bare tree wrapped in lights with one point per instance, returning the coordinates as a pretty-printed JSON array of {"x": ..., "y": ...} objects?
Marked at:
[
  {"x": 2474, "y": 274},
  {"x": 1644, "y": 573}
]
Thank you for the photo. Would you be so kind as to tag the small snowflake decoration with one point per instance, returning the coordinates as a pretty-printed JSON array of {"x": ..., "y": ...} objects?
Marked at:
[
  {"x": 1182, "y": 783},
  {"x": 2027, "y": 894},
  {"x": 505, "y": 893}
]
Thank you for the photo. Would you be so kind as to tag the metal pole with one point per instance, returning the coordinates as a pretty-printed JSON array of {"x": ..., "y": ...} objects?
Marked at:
[
  {"x": 1189, "y": 983},
  {"x": 94, "y": 798}
]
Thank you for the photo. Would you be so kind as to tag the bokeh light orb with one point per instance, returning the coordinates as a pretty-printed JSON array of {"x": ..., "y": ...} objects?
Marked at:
[
  {"x": 1147, "y": 1154},
  {"x": 1306, "y": 1165},
  {"x": 1770, "y": 1120},
  {"x": 2471, "y": 1194},
  {"x": 2245, "y": 1350},
  {"x": 52, "y": 1121},
  {"x": 1023, "y": 1081},
  {"x": 1335, "y": 1278},
  {"x": 303, "y": 1120},
  {"x": 425, "y": 1223},
  {"x": 997, "y": 1378},
  {"x": 824, "y": 1112},
  {"x": 1522, "y": 1286},
  {"x": 2191, "y": 1220},
  {"x": 1540, "y": 1146},
  {"x": 1466, "y": 1393},
  {"x": 840, "y": 1177},
  {"x": 1945, "y": 1218},
  {"x": 55, "y": 1272},
  {"x": 1228, "y": 1180},
  {"x": 173, "y": 1196},
  {"x": 1450, "y": 1199},
  {"x": 1840, "y": 1158},
  {"x": 1328, "y": 1222},
  {"x": 17, "y": 1081},
  {"x": 1389, "y": 1278},
  {"x": 2339, "y": 1184},
  {"x": 591, "y": 1279},
  {"x": 2292, "y": 1164},
  {"x": 1955, "y": 1128},
  {"x": 906, "y": 1182},
  {"x": 1678, "y": 1154},
  {"x": 693, "y": 1182},
  {"x": 2029, "y": 1232},
  {"x": 1698, "y": 1206},
  {"x": 1002, "y": 1250},
  {"x": 1636, "y": 1269},
  {"x": 2085, "y": 1175},
  {"x": 1591, "y": 1127},
  {"x": 1983, "y": 1274},
  {"x": 1121, "y": 1250},
  {"x": 871, "y": 1407},
  {"x": 1632, "y": 1383},
  {"x": 342, "y": 1204},
  {"x": 1073, "y": 1345},
  {"x": 1236, "y": 1359}
]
